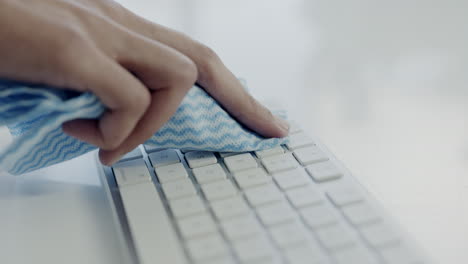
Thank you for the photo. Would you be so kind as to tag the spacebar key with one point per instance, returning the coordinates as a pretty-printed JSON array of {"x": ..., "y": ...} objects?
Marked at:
[{"x": 153, "y": 235}]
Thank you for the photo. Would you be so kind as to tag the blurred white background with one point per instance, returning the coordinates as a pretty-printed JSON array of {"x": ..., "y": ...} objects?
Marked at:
[{"x": 384, "y": 84}]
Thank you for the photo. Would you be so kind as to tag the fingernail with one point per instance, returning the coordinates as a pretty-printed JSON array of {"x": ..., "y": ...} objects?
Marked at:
[
  {"x": 114, "y": 160},
  {"x": 109, "y": 161},
  {"x": 283, "y": 124}
]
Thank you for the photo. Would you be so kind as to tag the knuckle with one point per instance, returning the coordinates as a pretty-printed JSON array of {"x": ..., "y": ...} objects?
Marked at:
[
  {"x": 69, "y": 45},
  {"x": 208, "y": 63},
  {"x": 208, "y": 55},
  {"x": 112, "y": 7},
  {"x": 139, "y": 101},
  {"x": 186, "y": 74},
  {"x": 70, "y": 36}
]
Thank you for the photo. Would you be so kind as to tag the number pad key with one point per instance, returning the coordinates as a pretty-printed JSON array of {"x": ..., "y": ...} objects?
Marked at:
[
  {"x": 240, "y": 162},
  {"x": 254, "y": 249},
  {"x": 269, "y": 152},
  {"x": 299, "y": 140},
  {"x": 304, "y": 196},
  {"x": 209, "y": 173},
  {"x": 342, "y": 196},
  {"x": 263, "y": 195},
  {"x": 280, "y": 163},
  {"x": 228, "y": 208},
  {"x": 251, "y": 178},
  {"x": 292, "y": 179},
  {"x": 187, "y": 206},
  {"x": 163, "y": 158},
  {"x": 241, "y": 227},
  {"x": 219, "y": 190},
  {"x": 310, "y": 155},
  {"x": 319, "y": 216},
  {"x": 324, "y": 171},
  {"x": 178, "y": 189},
  {"x": 361, "y": 214},
  {"x": 196, "y": 226},
  {"x": 207, "y": 248},
  {"x": 131, "y": 172},
  {"x": 336, "y": 237},
  {"x": 171, "y": 172},
  {"x": 288, "y": 235},
  {"x": 197, "y": 159},
  {"x": 276, "y": 213}
]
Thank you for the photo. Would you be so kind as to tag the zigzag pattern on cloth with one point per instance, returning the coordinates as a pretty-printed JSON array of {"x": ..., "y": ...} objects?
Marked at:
[{"x": 35, "y": 114}]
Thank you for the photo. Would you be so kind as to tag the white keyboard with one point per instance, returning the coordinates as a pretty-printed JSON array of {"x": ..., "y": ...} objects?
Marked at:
[{"x": 291, "y": 204}]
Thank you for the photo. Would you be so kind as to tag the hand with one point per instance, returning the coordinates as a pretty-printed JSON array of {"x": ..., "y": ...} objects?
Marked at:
[{"x": 140, "y": 70}]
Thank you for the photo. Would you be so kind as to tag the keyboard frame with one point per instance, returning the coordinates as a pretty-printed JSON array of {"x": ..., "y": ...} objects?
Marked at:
[{"x": 128, "y": 248}]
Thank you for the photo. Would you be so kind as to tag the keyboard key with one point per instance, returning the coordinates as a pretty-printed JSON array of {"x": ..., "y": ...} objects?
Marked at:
[
  {"x": 288, "y": 235},
  {"x": 355, "y": 255},
  {"x": 178, "y": 189},
  {"x": 361, "y": 214},
  {"x": 336, "y": 237},
  {"x": 152, "y": 148},
  {"x": 304, "y": 228},
  {"x": 319, "y": 216},
  {"x": 280, "y": 163},
  {"x": 219, "y": 190},
  {"x": 269, "y": 152},
  {"x": 399, "y": 254},
  {"x": 251, "y": 178},
  {"x": 134, "y": 154},
  {"x": 292, "y": 179},
  {"x": 163, "y": 158},
  {"x": 306, "y": 254},
  {"x": 197, "y": 159},
  {"x": 342, "y": 196},
  {"x": 171, "y": 172},
  {"x": 150, "y": 225},
  {"x": 323, "y": 171},
  {"x": 187, "y": 206},
  {"x": 227, "y": 154},
  {"x": 299, "y": 140},
  {"x": 209, "y": 173},
  {"x": 228, "y": 208},
  {"x": 207, "y": 248},
  {"x": 240, "y": 162},
  {"x": 241, "y": 227},
  {"x": 131, "y": 172},
  {"x": 276, "y": 213},
  {"x": 309, "y": 155},
  {"x": 253, "y": 249},
  {"x": 379, "y": 235},
  {"x": 263, "y": 194},
  {"x": 304, "y": 196},
  {"x": 196, "y": 226}
]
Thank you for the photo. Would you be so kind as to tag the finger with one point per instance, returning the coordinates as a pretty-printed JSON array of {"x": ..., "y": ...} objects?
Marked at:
[
  {"x": 169, "y": 74},
  {"x": 158, "y": 113},
  {"x": 125, "y": 97},
  {"x": 229, "y": 92},
  {"x": 214, "y": 76}
]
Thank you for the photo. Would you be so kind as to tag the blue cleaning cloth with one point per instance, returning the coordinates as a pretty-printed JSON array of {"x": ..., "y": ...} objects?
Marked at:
[{"x": 35, "y": 115}]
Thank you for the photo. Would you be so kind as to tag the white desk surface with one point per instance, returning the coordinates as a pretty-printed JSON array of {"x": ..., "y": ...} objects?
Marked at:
[{"x": 383, "y": 84}]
